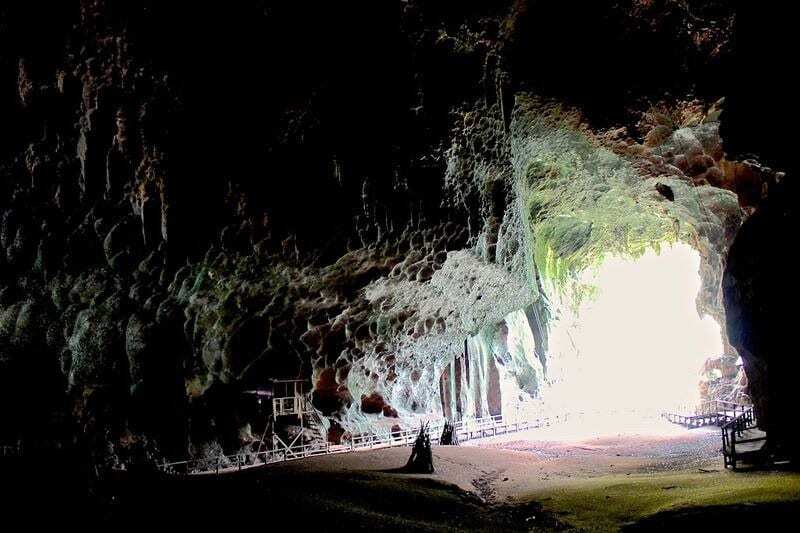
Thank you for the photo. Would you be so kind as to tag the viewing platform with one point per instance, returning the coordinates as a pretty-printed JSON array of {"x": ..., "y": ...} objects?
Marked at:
[{"x": 708, "y": 413}]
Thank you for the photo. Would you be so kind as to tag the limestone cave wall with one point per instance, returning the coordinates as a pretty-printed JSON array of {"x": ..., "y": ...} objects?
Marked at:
[{"x": 196, "y": 199}]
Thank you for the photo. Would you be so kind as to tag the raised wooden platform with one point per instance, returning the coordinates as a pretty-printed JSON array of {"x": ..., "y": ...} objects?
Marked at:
[
  {"x": 465, "y": 430},
  {"x": 708, "y": 413},
  {"x": 743, "y": 441},
  {"x": 695, "y": 421}
]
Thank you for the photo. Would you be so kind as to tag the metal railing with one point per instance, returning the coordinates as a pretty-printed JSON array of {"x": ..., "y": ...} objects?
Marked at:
[
  {"x": 709, "y": 412},
  {"x": 465, "y": 430},
  {"x": 11, "y": 450},
  {"x": 734, "y": 432},
  {"x": 290, "y": 405}
]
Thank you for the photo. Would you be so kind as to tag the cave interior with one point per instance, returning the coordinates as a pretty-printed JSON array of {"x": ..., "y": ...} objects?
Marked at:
[{"x": 420, "y": 210}]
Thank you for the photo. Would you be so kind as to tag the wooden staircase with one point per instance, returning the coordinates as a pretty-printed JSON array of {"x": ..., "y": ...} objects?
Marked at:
[
  {"x": 315, "y": 428},
  {"x": 742, "y": 441}
]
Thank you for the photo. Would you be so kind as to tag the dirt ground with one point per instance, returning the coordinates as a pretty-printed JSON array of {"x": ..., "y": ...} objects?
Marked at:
[
  {"x": 544, "y": 480},
  {"x": 642, "y": 477},
  {"x": 508, "y": 468}
]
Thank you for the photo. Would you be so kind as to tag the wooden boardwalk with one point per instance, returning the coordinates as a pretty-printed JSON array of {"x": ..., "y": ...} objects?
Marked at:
[
  {"x": 709, "y": 413},
  {"x": 11, "y": 449},
  {"x": 695, "y": 421},
  {"x": 465, "y": 430},
  {"x": 742, "y": 440}
]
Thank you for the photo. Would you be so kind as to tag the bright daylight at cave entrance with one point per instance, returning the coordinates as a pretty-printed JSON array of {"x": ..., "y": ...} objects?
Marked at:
[
  {"x": 630, "y": 348},
  {"x": 637, "y": 343}
]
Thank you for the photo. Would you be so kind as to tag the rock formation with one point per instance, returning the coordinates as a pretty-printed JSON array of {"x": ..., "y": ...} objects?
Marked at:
[
  {"x": 194, "y": 200},
  {"x": 759, "y": 295}
]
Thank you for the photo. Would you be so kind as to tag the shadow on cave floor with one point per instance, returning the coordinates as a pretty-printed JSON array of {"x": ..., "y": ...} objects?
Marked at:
[
  {"x": 358, "y": 492},
  {"x": 369, "y": 500},
  {"x": 347, "y": 501},
  {"x": 763, "y": 516},
  {"x": 376, "y": 501}
]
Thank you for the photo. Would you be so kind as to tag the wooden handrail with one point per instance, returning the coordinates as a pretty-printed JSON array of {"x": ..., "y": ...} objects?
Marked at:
[
  {"x": 466, "y": 429},
  {"x": 733, "y": 430}
]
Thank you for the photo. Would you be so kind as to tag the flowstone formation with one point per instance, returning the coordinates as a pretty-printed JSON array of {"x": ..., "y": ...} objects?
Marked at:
[
  {"x": 575, "y": 200},
  {"x": 581, "y": 202},
  {"x": 382, "y": 330},
  {"x": 584, "y": 202}
]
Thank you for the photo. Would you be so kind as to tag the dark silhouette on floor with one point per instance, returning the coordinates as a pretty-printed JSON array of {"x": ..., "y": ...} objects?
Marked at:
[
  {"x": 449, "y": 437},
  {"x": 421, "y": 460}
]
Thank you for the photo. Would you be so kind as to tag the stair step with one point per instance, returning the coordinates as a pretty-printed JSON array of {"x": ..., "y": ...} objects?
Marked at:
[{"x": 751, "y": 447}]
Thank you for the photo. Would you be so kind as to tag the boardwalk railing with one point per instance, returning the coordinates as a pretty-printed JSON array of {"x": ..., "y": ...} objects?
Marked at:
[
  {"x": 465, "y": 430},
  {"x": 11, "y": 450},
  {"x": 708, "y": 413},
  {"x": 742, "y": 430}
]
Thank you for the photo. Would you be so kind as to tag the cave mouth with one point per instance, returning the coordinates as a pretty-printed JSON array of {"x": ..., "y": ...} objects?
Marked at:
[
  {"x": 637, "y": 344},
  {"x": 625, "y": 343}
]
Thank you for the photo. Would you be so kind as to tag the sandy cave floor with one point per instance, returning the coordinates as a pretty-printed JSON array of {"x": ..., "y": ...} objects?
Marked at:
[
  {"x": 575, "y": 477},
  {"x": 559, "y": 478},
  {"x": 509, "y": 467}
]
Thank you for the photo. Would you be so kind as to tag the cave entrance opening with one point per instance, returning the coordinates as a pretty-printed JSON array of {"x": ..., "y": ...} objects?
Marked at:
[
  {"x": 636, "y": 346},
  {"x": 625, "y": 343}
]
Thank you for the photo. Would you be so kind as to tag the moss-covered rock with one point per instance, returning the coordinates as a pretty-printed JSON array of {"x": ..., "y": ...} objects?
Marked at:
[{"x": 96, "y": 349}]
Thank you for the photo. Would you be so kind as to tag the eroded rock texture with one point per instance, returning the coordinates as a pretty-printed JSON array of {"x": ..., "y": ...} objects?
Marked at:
[
  {"x": 759, "y": 293},
  {"x": 196, "y": 199}
]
